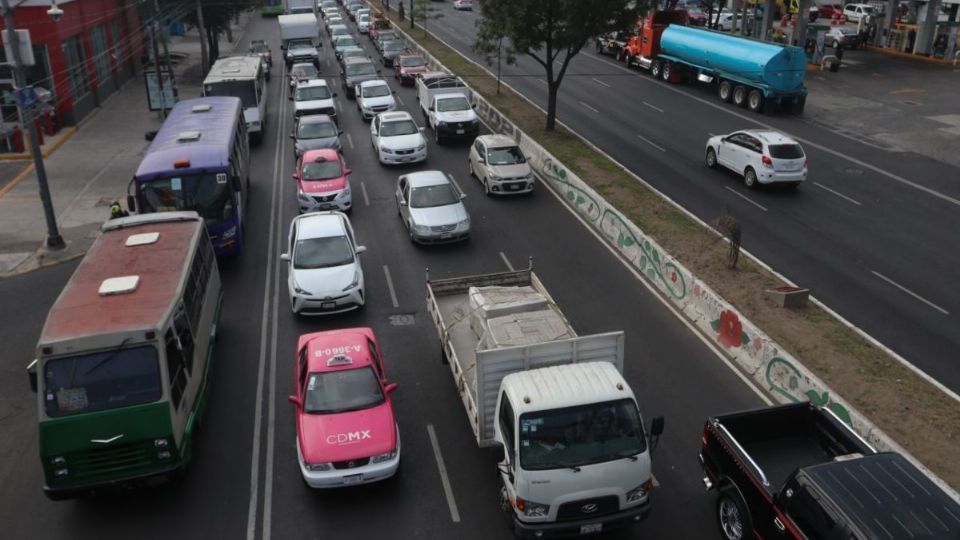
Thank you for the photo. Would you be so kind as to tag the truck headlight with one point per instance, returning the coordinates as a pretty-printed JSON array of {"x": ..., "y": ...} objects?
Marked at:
[
  {"x": 533, "y": 509},
  {"x": 639, "y": 492},
  {"x": 229, "y": 233},
  {"x": 384, "y": 457},
  {"x": 61, "y": 473},
  {"x": 58, "y": 460},
  {"x": 163, "y": 443},
  {"x": 319, "y": 466}
]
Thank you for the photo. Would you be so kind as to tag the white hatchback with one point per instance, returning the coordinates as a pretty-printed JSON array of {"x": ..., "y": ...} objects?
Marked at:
[
  {"x": 374, "y": 97},
  {"x": 499, "y": 164},
  {"x": 761, "y": 157},
  {"x": 324, "y": 272},
  {"x": 397, "y": 139}
]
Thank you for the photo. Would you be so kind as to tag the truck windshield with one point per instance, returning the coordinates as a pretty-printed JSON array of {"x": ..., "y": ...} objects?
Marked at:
[
  {"x": 453, "y": 104},
  {"x": 580, "y": 435},
  {"x": 100, "y": 381},
  {"x": 341, "y": 391},
  {"x": 246, "y": 90},
  {"x": 205, "y": 194}
]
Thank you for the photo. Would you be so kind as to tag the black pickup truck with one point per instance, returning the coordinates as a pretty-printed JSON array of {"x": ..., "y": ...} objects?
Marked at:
[{"x": 798, "y": 472}]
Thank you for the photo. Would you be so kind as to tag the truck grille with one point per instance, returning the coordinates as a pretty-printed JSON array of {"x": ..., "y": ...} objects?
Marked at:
[
  {"x": 107, "y": 460},
  {"x": 352, "y": 464},
  {"x": 588, "y": 508}
]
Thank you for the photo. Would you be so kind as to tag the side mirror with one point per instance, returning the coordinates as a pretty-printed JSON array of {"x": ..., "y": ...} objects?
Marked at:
[
  {"x": 483, "y": 160},
  {"x": 284, "y": 256},
  {"x": 378, "y": 71},
  {"x": 498, "y": 451},
  {"x": 421, "y": 130},
  {"x": 473, "y": 106},
  {"x": 334, "y": 94},
  {"x": 347, "y": 172},
  {"x": 32, "y": 375},
  {"x": 131, "y": 203},
  {"x": 283, "y": 47},
  {"x": 296, "y": 401},
  {"x": 656, "y": 429},
  {"x": 431, "y": 109},
  {"x": 361, "y": 249},
  {"x": 463, "y": 196},
  {"x": 402, "y": 202},
  {"x": 340, "y": 132},
  {"x": 290, "y": 97},
  {"x": 293, "y": 136},
  {"x": 296, "y": 176},
  {"x": 390, "y": 387}
]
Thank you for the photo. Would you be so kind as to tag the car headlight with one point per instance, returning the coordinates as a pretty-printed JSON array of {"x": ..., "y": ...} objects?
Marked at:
[
  {"x": 421, "y": 148},
  {"x": 638, "y": 493},
  {"x": 385, "y": 150},
  {"x": 229, "y": 233},
  {"x": 494, "y": 178},
  {"x": 533, "y": 509},
  {"x": 298, "y": 290},
  {"x": 345, "y": 193},
  {"x": 384, "y": 457},
  {"x": 61, "y": 473},
  {"x": 464, "y": 225},
  {"x": 319, "y": 466},
  {"x": 353, "y": 284},
  {"x": 422, "y": 229}
]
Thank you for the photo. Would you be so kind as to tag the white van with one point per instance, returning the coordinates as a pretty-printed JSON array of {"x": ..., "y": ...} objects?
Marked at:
[{"x": 241, "y": 76}]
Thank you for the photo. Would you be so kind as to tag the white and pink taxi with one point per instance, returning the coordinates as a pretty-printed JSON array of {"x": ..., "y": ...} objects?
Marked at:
[{"x": 346, "y": 429}]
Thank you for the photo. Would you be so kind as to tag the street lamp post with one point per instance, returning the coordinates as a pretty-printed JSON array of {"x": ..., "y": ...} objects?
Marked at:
[{"x": 54, "y": 240}]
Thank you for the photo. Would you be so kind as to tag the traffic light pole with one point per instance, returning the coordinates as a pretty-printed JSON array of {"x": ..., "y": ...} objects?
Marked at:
[{"x": 54, "y": 240}]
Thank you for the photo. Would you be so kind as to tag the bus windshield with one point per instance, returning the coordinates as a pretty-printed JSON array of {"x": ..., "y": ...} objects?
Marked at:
[
  {"x": 101, "y": 381},
  {"x": 206, "y": 194},
  {"x": 245, "y": 90},
  {"x": 580, "y": 435}
]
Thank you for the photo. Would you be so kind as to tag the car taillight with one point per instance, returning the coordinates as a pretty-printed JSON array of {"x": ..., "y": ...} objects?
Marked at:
[
  {"x": 767, "y": 162},
  {"x": 703, "y": 437}
]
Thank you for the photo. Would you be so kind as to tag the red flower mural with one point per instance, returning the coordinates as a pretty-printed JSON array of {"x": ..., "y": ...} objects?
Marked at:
[{"x": 730, "y": 330}]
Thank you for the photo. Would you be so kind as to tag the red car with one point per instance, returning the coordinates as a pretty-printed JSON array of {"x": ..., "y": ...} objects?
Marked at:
[
  {"x": 406, "y": 67},
  {"x": 827, "y": 11},
  {"x": 322, "y": 183},
  {"x": 346, "y": 429}
]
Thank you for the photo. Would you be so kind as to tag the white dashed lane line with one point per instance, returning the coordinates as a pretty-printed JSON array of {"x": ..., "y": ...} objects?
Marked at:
[
  {"x": 837, "y": 193},
  {"x": 744, "y": 197},
  {"x": 393, "y": 292},
  {"x": 651, "y": 143},
  {"x": 908, "y": 291},
  {"x": 598, "y": 81},
  {"x": 589, "y": 107},
  {"x": 447, "y": 489},
  {"x": 654, "y": 107}
]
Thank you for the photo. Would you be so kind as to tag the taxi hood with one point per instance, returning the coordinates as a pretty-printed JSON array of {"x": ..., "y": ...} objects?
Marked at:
[{"x": 325, "y": 438}]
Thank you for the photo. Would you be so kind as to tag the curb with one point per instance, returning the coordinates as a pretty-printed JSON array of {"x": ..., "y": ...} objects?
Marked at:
[{"x": 69, "y": 133}]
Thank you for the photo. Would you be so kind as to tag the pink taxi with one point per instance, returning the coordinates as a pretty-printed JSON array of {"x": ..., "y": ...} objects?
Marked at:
[
  {"x": 322, "y": 183},
  {"x": 346, "y": 430}
]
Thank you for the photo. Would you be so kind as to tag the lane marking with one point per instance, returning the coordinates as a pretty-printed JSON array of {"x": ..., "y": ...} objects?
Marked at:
[
  {"x": 744, "y": 197},
  {"x": 506, "y": 261},
  {"x": 400, "y": 100},
  {"x": 539, "y": 80},
  {"x": 264, "y": 320},
  {"x": 393, "y": 292},
  {"x": 589, "y": 107},
  {"x": 837, "y": 193},
  {"x": 598, "y": 81},
  {"x": 366, "y": 200},
  {"x": 447, "y": 490},
  {"x": 651, "y": 143},
  {"x": 654, "y": 107},
  {"x": 454, "y": 180},
  {"x": 350, "y": 142},
  {"x": 911, "y": 293}
]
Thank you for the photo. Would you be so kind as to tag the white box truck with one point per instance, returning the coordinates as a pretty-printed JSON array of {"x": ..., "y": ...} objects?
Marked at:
[
  {"x": 298, "y": 6},
  {"x": 571, "y": 447},
  {"x": 447, "y": 106},
  {"x": 299, "y": 35}
]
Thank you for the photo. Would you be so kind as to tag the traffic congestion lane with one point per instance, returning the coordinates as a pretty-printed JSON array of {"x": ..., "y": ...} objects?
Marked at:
[
  {"x": 574, "y": 265},
  {"x": 873, "y": 235}
]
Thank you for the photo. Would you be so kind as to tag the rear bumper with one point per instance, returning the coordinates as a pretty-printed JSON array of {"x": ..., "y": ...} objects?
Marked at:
[
  {"x": 773, "y": 177},
  {"x": 143, "y": 480},
  {"x": 577, "y": 528}
]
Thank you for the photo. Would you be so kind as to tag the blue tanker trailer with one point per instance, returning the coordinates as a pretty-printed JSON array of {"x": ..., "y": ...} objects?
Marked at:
[{"x": 759, "y": 75}]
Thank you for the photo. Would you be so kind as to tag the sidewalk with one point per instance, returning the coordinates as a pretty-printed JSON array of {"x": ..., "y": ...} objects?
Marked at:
[{"x": 89, "y": 170}]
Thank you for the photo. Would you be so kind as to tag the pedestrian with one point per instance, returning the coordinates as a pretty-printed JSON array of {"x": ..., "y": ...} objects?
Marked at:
[
  {"x": 400, "y": 11},
  {"x": 117, "y": 211}
]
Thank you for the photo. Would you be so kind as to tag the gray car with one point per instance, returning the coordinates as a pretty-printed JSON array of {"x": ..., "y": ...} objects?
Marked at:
[
  {"x": 355, "y": 71},
  {"x": 391, "y": 50},
  {"x": 314, "y": 132},
  {"x": 431, "y": 207}
]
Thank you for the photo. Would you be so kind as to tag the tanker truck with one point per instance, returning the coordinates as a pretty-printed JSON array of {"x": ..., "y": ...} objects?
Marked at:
[{"x": 759, "y": 75}]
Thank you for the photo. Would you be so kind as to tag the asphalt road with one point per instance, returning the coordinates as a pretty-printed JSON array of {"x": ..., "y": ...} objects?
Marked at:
[
  {"x": 244, "y": 482},
  {"x": 872, "y": 233}
]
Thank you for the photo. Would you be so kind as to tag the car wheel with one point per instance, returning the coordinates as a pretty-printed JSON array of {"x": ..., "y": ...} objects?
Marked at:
[
  {"x": 711, "y": 158},
  {"x": 725, "y": 91},
  {"x": 486, "y": 188},
  {"x": 655, "y": 69},
  {"x": 755, "y": 100},
  {"x": 410, "y": 232},
  {"x": 735, "y": 523},
  {"x": 436, "y": 136},
  {"x": 740, "y": 95},
  {"x": 750, "y": 178},
  {"x": 470, "y": 168}
]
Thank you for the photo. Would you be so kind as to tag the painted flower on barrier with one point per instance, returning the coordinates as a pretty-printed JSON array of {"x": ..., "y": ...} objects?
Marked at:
[{"x": 730, "y": 330}]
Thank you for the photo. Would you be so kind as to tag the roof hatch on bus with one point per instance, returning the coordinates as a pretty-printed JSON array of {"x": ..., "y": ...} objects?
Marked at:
[
  {"x": 142, "y": 239},
  {"x": 201, "y": 108},
  {"x": 119, "y": 285},
  {"x": 188, "y": 136}
]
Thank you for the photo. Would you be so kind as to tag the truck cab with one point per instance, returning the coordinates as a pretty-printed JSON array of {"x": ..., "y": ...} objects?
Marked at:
[
  {"x": 797, "y": 471},
  {"x": 575, "y": 458}
]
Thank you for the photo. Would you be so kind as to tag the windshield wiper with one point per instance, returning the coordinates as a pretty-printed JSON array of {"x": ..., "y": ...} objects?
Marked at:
[{"x": 106, "y": 359}]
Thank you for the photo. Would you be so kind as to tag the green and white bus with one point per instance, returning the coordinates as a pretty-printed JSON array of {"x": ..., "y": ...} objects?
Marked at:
[{"x": 123, "y": 361}]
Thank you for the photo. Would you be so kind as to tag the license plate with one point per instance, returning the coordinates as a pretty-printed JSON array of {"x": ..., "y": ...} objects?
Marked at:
[
  {"x": 513, "y": 187},
  {"x": 444, "y": 236},
  {"x": 328, "y": 305},
  {"x": 459, "y": 132},
  {"x": 405, "y": 158},
  {"x": 591, "y": 528},
  {"x": 354, "y": 479}
]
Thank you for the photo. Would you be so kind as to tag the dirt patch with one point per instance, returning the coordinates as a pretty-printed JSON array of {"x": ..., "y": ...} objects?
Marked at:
[{"x": 911, "y": 411}]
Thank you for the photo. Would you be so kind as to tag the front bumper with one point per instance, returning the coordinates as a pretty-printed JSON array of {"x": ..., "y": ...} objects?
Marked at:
[
  {"x": 144, "y": 480},
  {"x": 459, "y": 129},
  {"x": 511, "y": 186},
  {"x": 397, "y": 159},
  {"x": 342, "y": 302},
  {"x": 313, "y": 203},
  {"x": 437, "y": 237},
  {"x": 581, "y": 527},
  {"x": 366, "y": 474},
  {"x": 368, "y": 114}
]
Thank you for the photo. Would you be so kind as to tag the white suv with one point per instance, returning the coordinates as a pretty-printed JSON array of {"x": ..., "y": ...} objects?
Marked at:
[
  {"x": 761, "y": 157},
  {"x": 374, "y": 97},
  {"x": 397, "y": 139}
]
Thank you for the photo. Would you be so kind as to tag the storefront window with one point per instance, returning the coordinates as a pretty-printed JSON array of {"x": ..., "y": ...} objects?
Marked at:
[
  {"x": 76, "y": 70},
  {"x": 115, "y": 39},
  {"x": 101, "y": 60}
]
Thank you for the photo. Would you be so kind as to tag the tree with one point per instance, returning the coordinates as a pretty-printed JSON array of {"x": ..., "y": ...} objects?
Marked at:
[
  {"x": 546, "y": 30},
  {"x": 423, "y": 10},
  {"x": 217, "y": 15}
]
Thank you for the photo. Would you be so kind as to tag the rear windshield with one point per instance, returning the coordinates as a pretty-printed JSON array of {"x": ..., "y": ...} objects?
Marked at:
[
  {"x": 361, "y": 68},
  {"x": 100, "y": 381},
  {"x": 786, "y": 151}
]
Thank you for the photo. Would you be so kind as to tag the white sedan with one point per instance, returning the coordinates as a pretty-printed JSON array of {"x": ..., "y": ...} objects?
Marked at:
[
  {"x": 760, "y": 156},
  {"x": 397, "y": 139},
  {"x": 324, "y": 271},
  {"x": 374, "y": 97}
]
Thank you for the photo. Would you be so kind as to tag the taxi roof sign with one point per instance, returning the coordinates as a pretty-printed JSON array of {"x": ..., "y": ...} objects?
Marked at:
[{"x": 339, "y": 360}]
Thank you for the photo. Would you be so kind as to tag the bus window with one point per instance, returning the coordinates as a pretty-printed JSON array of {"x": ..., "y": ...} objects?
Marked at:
[
  {"x": 175, "y": 369},
  {"x": 100, "y": 381},
  {"x": 182, "y": 326},
  {"x": 203, "y": 193}
]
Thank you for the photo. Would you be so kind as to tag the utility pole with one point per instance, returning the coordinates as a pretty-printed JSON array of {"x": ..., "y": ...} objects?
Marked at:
[
  {"x": 54, "y": 240},
  {"x": 204, "y": 55}
]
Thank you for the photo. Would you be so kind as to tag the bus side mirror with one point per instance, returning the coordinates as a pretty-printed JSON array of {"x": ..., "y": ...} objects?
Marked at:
[
  {"x": 32, "y": 375},
  {"x": 131, "y": 203}
]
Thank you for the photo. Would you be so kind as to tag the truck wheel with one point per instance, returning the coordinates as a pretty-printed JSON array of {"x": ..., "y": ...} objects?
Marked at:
[
  {"x": 755, "y": 101},
  {"x": 740, "y": 95},
  {"x": 750, "y": 178},
  {"x": 711, "y": 158},
  {"x": 655, "y": 69},
  {"x": 725, "y": 91},
  {"x": 797, "y": 108},
  {"x": 667, "y": 70},
  {"x": 735, "y": 523}
]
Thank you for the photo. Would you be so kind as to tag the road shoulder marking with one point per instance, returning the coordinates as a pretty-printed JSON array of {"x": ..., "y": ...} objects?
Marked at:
[{"x": 447, "y": 489}]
